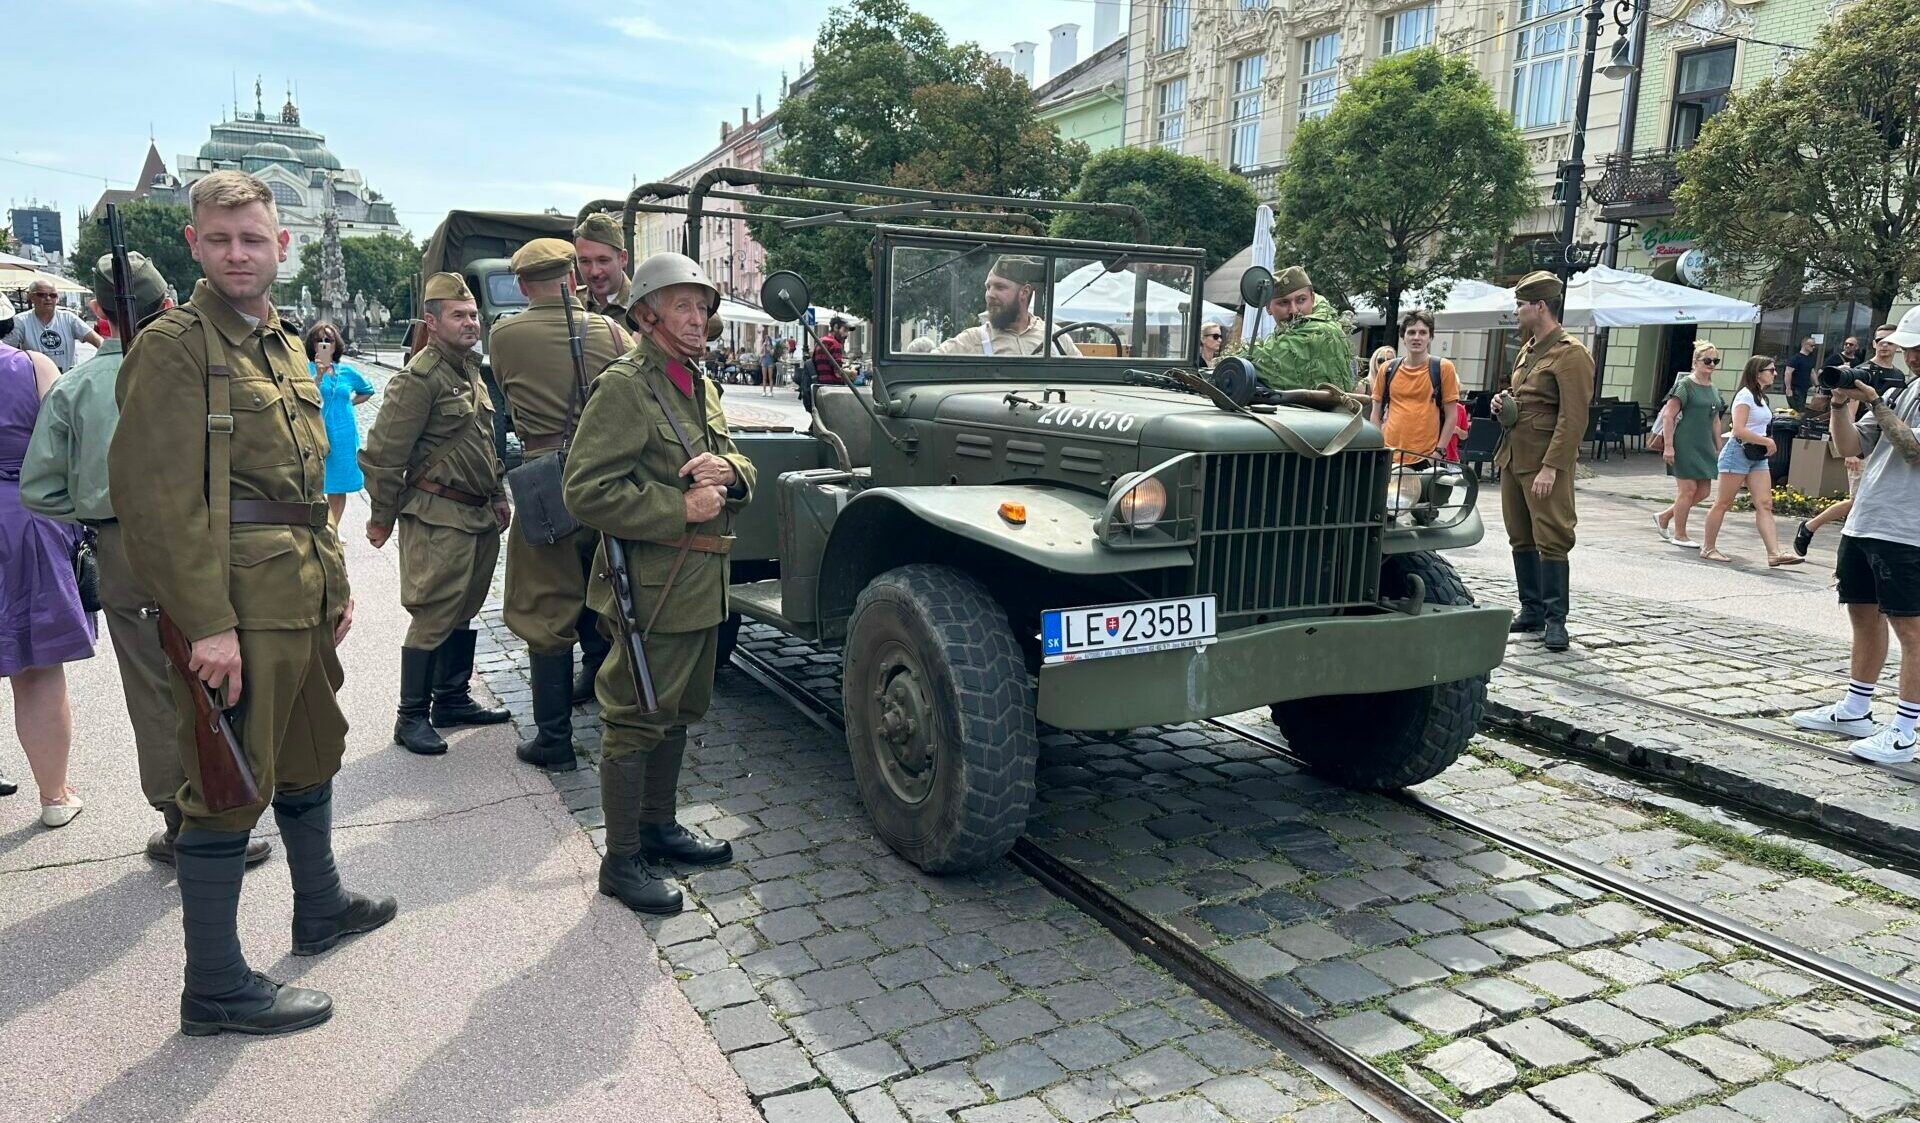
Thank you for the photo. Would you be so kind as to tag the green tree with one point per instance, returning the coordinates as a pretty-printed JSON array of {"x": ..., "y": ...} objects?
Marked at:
[
  {"x": 378, "y": 266},
  {"x": 154, "y": 229},
  {"x": 893, "y": 102},
  {"x": 1415, "y": 177},
  {"x": 1813, "y": 180},
  {"x": 1187, "y": 201}
]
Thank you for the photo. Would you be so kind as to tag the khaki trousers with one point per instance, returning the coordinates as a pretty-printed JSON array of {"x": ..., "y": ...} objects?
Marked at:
[
  {"x": 682, "y": 665},
  {"x": 444, "y": 576},
  {"x": 547, "y": 588},
  {"x": 143, "y": 669},
  {"x": 1542, "y": 523}
]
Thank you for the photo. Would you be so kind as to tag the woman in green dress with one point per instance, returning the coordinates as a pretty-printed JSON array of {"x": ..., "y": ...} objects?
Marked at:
[{"x": 1691, "y": 424}]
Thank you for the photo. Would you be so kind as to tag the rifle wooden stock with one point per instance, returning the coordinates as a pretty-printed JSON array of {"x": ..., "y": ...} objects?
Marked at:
[
  {"x": 622, "y": 581},
  {"x": 226, "y": 781}
]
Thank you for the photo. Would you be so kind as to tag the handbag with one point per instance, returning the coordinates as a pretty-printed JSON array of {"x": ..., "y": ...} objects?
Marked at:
[
  {"x": 538, "y": 485},
  {"x": 86, "y": 570}
]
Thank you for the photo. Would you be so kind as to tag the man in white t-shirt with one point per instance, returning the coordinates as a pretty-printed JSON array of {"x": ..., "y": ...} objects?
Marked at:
[{"x": 49, "y": 328}]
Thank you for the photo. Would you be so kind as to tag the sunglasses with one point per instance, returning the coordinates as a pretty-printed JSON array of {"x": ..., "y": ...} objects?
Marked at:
[
  {"x": 1709, "y": 362},
  {"x": 1211, "y": 335},
  {"x": 45, "y": 295}
]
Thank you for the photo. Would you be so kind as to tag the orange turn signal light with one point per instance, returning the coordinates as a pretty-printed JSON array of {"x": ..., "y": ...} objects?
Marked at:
[{"x": 1015, "y": 513}]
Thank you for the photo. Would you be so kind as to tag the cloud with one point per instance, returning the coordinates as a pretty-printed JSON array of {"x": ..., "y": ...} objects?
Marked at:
[{"x": 770, "y": 52}]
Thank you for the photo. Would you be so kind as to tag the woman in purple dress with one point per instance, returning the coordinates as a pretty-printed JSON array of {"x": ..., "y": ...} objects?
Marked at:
[{"x": 42, "y": 626}]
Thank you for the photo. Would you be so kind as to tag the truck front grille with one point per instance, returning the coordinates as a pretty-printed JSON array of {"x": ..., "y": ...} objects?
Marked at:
[{"x": 1280, "y": 533}]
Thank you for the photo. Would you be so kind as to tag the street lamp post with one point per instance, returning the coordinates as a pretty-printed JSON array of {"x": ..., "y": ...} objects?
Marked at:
[{"x": 1573, "y": 171}]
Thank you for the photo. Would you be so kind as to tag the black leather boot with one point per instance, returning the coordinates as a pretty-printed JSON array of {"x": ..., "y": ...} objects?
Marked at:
[
  {"x": 453, "y": 702},
  {"x": 593, "y": 652},
  {"x": 160, "y": 845},
  {"x": 1554, "y": 591},
  {"x": 1526, "y": 575},
  {"x": 411, "y": 730},
  {"x": 660, "y": 836},
  {"x": 624, "y": 875},
  {"x": 323, "y": 912},
  {"x": 551, "y": 746},
  {"x": 222, "y": 994}
]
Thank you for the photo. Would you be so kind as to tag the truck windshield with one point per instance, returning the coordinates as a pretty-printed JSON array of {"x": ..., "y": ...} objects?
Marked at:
[
  {"x": 503, "y": 291},
  {"x": 977, "y": 301}
]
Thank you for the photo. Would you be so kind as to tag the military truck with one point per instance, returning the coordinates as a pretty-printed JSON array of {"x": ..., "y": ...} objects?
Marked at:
[{"x": 1069, "y": 526}]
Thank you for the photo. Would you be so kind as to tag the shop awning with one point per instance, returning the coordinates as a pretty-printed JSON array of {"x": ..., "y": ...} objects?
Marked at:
[
  {"x": 736, "y": 312},
  {"x": 1091, "y": 294},
  {"x": 1469, "y": 306},
  {"x": 20, "y": 276}
]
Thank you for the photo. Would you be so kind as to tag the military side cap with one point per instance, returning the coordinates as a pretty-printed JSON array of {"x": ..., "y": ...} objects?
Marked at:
[
  {"x": 601, "y": 227},
  {"x": 447, "y": 286},
  {"x": 542, "y": 259},
  {"x": 1021, "y": 270},
  {"x": 145, "y": 284},
  {"x": 1291, "y": 280},
  {"x": 1538, "y": 285}
]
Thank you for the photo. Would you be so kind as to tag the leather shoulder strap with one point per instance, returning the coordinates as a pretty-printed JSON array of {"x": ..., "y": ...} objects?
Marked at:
[
  {"x": 219, "y": 442},
  {"x": 679, "y": 431},
  {"x": 445, "y": 448}
]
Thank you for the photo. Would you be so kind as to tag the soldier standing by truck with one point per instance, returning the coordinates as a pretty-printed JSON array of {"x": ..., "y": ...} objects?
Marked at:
[
  {"x": 652, "y": 466},
  {"x": 430, "y": 465},
  {"x": 1545, "y": 412},
  {"x": 602, "y": 249},
  {"x": 546, "y": 593}
]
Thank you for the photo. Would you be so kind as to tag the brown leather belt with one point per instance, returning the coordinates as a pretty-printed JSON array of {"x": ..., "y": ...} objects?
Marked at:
[
  {"x": 280, "y": 514},
  {"x": 699, "y": 543},
  {"x": 541, "y": 444},
  {"x": 453, "y": 493}
]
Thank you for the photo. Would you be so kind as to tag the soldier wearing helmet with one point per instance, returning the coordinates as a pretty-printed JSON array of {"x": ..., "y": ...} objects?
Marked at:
[{"x": 651, "y": 465}]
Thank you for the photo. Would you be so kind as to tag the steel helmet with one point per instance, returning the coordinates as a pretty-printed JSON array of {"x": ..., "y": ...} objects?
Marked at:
[{"x": 664, "y": 270}]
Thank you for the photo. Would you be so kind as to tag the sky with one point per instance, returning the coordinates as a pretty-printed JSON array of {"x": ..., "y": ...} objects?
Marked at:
[{"x": 443, "y": 104}]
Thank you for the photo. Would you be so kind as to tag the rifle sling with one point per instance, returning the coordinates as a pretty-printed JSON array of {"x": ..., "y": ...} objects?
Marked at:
[{"x": 686, "y": 446}]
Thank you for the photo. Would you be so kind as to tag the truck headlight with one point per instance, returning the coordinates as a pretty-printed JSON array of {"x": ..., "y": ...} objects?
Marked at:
[
  {"x": 1142, "y": 502},
  {"x": 1406, "y": 491}
]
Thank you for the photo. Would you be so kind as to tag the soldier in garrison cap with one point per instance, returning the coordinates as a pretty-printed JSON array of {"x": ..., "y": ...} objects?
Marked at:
[
  {"x": 1547, "y": 400},
  {"x": 1307, "y": 334},
  {"x": 601, "y": 247},
  {"x": 546, "y": 593},
  {"x": 1009, "y": 327},
  {"x": 220, "y": 492},
  {"x": 430, "y": 465}
]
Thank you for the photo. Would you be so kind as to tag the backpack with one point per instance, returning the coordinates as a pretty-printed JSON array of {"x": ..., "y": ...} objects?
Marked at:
[{"x": 1386, "y": 391}]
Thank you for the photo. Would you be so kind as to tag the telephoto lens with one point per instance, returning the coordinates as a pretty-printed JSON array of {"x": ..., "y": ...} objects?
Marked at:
[{"x": 1837, "y": 377}]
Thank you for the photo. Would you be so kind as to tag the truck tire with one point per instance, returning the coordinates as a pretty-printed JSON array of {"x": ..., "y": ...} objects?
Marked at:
[
  {"x": 939, "y": 714},
  {"x": 1380, "y": 742}
]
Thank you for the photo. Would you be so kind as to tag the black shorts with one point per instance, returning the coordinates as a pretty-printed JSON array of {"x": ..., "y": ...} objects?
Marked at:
[{"x": 1875, "y": 571}]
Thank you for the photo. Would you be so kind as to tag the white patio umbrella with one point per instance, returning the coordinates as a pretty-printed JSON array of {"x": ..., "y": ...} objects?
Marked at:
[
  {"x": 1617, "y": 298},
  {"x": 1469, "y": 306},
  {"x": 1090, "y": 293},
  {"x": 736, "y": 312}
]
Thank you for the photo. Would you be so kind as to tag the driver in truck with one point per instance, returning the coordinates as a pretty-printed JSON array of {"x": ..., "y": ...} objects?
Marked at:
[{"x": 1008, "y": 327}]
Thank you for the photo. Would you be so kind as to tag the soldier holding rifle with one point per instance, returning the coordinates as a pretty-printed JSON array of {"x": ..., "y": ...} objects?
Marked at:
[
  {"x": 652, "y": 467},
  {"x": 220, "y": 494}
]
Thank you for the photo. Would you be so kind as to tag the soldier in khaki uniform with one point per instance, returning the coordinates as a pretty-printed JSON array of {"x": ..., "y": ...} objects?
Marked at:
[
  {"x": 629, "y": 473},
  {"x": 429, "y": 461},
  {"x": 219, "y": 492},
  {"x": 1545, "y": 413},
  {"x": 602, "y": 250},
  {"x": 546, "y": 592}
]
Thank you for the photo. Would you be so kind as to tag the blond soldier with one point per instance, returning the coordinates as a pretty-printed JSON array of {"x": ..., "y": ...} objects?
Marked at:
[
  {"x": 219, "y": 491},
  {"x": 1545, "y": 412},
  {"x": 546, "y": 594},
  {"x": 602, "y": 251},
  {"x": 430, "y": 465},
  {"x": 653, "y": 466}
]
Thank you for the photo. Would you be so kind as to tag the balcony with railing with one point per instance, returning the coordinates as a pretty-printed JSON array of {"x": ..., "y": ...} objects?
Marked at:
[
  {"x": 1637, "y": 184},
  {"x": 1264, "y": 179}
]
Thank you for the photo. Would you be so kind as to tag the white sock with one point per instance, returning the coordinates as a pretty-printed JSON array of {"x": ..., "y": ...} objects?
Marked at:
[
  {"x": 1904, "y": 717},
  {"x": 1857, "y": 701}
]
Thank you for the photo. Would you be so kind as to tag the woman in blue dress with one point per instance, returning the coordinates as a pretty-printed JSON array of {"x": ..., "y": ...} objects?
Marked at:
[{"x": 341, "y": 388}]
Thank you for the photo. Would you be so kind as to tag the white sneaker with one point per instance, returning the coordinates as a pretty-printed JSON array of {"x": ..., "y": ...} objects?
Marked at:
[
  {"x": 1684, "y": 543},
  {"x": 1827, "y": 719},
  {"x": 1884, "y": 747}
]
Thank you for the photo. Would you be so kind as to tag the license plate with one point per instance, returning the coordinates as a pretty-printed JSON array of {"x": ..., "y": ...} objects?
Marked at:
[{"x": 1067, "y": 634}]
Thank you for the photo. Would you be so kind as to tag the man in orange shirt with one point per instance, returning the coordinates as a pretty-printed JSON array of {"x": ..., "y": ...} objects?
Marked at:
[{"x": 1415, "y": 399}]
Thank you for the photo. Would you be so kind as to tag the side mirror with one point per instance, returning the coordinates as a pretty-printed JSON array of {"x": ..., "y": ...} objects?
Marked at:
[
  {"x": 1256, "y": 286},
  {"x": 784, "y": 296}
]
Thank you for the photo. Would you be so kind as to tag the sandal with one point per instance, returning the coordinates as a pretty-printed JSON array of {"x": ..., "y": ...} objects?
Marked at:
[
  {"x": 1784, "y": 559},
  {"x": 1713, "y": 554}
]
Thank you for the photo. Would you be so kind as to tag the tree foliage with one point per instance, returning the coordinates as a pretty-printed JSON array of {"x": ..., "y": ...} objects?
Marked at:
[
  {"x": 1187, "y": 201},
  {"x": 893, "y": 102},
  {"x": 1415, "y": 177},
  {"x": 157, "y": 230},
  {"x": 1813, "y": 180},
  {"x": 379, "y": 266}
]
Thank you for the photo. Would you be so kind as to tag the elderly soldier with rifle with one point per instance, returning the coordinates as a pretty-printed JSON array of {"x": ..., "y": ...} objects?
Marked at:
[
  {"x": 653, "y": 469},
  {"x": 602, "y": 250},
  {"x": 546, "y": 593},
  {"x": 220, "y": 494},
  {"x": 430, "y": 465}
]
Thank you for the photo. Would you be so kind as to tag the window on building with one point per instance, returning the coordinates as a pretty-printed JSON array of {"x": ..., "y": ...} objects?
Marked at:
[
  {"x": 1173, "y": 24},
  {"x": 1251, "y": 5},
  {"x": 1170, "y": 113},
  {"x": 1545, "y": 63},
  {"x": 1319, "y": 58},
  {"x": 1701, "y": 85},
  {"x": 1404, "y": 31},
  {"x": 284, "y": 195},
  {"x": 1244, "y": 143}
]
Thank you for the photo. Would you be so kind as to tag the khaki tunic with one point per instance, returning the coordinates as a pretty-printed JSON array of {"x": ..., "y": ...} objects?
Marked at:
[
  {"x": 989, "y": 340},
  {"x": 616, "y": 308},
  {"x": 284, "y": 587},
  {"x": 447, "y": 548},
  {"x": 547, "y": 584},
  {"x": 1553, "y": 383},
  {"x": 623, "y": 477}
]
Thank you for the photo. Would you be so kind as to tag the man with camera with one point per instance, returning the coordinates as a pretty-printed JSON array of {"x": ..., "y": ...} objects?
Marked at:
[{"x": 1879, "y": 562}]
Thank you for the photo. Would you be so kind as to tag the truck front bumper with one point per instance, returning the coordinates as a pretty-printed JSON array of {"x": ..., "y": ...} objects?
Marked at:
[{"x": 1270, "y": 663}]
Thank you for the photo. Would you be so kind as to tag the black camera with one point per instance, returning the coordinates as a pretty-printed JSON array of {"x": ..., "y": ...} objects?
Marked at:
[{"x": 1837, "y": 377}]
